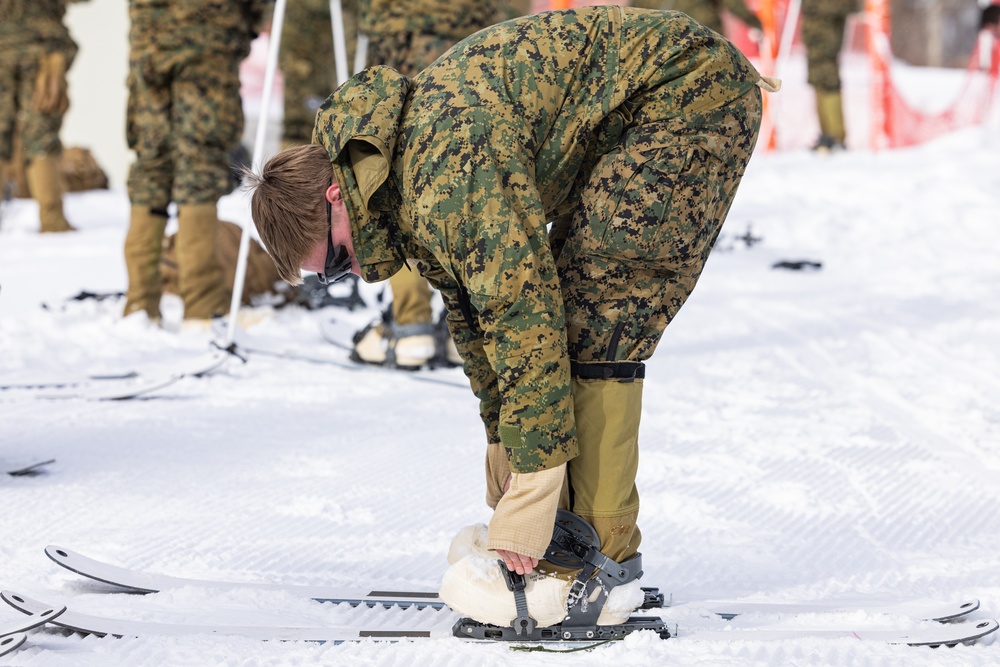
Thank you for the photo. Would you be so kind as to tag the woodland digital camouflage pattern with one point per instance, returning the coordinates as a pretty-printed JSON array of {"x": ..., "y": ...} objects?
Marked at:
[
  {"x": 408, "y": 35},
  {"x": 448, "y": 19},
  {"x": 706, "y": 12},
  {"x": 629, "y": 128},
  {"x": 184, "y": 108},
  {"x": 823, "y": 24},
  {"x": 306, "y": 61},
  {"x": 29, "y": 29}
]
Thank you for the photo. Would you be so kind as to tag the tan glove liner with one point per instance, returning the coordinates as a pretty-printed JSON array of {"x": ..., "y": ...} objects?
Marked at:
[
  {"x": 50, "y": 85},
  {"x": 497, "y": 473},
  {"x": 526, "y": 514}
]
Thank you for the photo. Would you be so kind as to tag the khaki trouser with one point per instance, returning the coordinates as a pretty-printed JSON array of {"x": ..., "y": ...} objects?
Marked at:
[{"x": 411, "y": 297}]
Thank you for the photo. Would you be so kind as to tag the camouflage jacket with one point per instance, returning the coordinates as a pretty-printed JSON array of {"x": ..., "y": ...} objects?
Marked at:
[
  {"x": 216, "y": 26},
  {"x": 448, "y": 19},
  {"x": 26, "y": 24},
  {"x": 462, "y": 167}
]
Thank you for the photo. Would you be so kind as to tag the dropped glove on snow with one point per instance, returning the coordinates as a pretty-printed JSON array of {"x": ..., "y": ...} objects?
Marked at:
[
  {"x": 50, "y": 85},
  {"x": 526, "y": 514}
]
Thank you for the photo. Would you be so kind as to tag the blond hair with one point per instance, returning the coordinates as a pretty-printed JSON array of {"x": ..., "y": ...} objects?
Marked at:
[{"x": 288, "y": 205}]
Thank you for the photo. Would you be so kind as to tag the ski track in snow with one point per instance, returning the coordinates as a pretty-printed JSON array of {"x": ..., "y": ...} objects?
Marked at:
[{"x": 815, "y": 434}]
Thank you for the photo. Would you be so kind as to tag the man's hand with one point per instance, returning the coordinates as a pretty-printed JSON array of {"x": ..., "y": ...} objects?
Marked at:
[{"x": 517, "y": 562}]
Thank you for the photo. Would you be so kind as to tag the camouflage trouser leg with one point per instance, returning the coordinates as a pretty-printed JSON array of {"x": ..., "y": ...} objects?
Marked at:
[
  {"x": 307, "y": 64},
  {"x": 9, "y": 71},
  {"x": 184, "y": 116},
  {"x": 39, "y": 132},
  {"x": 823, "y": 36},
  {"x": 406, "y": 52},
  {"x": 634, "y": 248}
]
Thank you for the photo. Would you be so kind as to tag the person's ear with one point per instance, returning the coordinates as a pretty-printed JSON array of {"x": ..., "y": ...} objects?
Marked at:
[{"x": 333, "y": 193}]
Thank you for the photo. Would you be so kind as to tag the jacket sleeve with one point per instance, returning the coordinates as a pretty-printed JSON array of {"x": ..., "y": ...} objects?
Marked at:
[{"x": 492, "y": 227}]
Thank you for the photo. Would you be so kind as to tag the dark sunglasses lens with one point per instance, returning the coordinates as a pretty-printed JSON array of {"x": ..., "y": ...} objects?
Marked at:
[{"x": 338, "y": 265}]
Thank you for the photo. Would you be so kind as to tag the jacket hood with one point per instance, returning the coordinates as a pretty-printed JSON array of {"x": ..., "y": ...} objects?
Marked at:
[{"x": 357, "y": 125}]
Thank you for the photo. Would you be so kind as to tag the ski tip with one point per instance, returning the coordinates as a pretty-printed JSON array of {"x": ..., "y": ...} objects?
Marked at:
[
  {"x": 986, "y": 627},
  {"x": 11, "y": 642},
  {"x": 25, "y": 604},
  {"x": 976, "y": 630},
  {"x": 59, "y": 555},
  {"x": 962, "y": 610}
]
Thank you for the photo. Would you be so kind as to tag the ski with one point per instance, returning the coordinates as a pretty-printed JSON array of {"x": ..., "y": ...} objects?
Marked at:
[
  {"x": 418, "y": 375},
  {"x": 145, "y": 582},
  {"x": 59, "y": 383},
  {"x": 11, "y": 643},
  {"x": 111, "y": 386},
  {"x": 924, "y": 610},
  {"x": 101, "y": 626},
  {"x": 131, "y": 388},
  {"x": 935, "y": 635},
  {"x": 98, "y": 625}
]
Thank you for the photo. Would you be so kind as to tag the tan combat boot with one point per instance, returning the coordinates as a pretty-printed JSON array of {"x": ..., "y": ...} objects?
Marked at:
[
  {"x": 43, "y": 181},
  {"x": 830, "y": 109},
  {"x": 202, "y": 280},
  {"x": 143, "y": 247}
]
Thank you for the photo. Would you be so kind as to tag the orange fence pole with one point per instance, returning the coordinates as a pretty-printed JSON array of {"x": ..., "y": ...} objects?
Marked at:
[
  {"x": 768, "y": 48},
  {"x": 880, "y": 57}
]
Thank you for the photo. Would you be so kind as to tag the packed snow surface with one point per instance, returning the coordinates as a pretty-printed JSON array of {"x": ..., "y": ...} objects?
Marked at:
[{"x": 831, "y": 433}]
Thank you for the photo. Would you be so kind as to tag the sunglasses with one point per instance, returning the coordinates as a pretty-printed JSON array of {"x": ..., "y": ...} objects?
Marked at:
[{"x": 338, "y": 260}]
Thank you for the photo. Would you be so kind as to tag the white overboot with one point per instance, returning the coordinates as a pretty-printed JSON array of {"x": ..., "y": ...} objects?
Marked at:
[
  {"x": 622, "y": 601},
  {"x": 474, "y": 585},
  {"x": 407, "y": 347}
]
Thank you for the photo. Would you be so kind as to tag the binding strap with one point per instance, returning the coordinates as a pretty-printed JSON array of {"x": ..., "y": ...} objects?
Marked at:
[{"x": 524, "y": 624}]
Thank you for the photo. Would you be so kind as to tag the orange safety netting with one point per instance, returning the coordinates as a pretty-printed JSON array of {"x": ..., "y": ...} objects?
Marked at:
[
  {"x": 892, "y": 120},
  {"x": 895, "y": 122},
  {"x": 907, "y": 126}
]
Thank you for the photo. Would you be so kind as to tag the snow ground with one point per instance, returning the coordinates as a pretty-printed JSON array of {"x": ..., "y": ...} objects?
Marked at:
[{"x": 806, "y": 434}]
